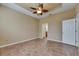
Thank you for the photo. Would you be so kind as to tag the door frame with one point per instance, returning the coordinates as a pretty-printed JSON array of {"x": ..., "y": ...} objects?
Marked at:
[{"x": 44, "y": 29}]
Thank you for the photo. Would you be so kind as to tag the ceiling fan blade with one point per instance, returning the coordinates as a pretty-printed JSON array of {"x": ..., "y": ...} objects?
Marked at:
[
  {"x": 33, "y": 8},
  {"x": 44, "y": 10},
  {"x": 41, "y": 13},
  {"x": 35, "y": 12}
]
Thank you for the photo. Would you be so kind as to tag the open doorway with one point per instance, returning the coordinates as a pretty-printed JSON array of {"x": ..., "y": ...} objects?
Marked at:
[{"x": 45, "y": 30}]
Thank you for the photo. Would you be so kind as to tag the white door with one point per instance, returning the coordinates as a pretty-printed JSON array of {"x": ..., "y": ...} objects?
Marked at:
[
  {"x": 77, "y": 30},
  {"x": 68, "y": 31}
]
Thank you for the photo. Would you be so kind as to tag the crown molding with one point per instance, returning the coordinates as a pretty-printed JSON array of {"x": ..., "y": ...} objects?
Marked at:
[
  {"x": 20, "y": 9},
  {"x": 64, "y": 7}
]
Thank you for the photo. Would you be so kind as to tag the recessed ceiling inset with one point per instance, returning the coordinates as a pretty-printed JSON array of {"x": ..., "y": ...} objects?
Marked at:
[
  {"x": 34, "y": 7},
  {"x": 53, "y": 8}
]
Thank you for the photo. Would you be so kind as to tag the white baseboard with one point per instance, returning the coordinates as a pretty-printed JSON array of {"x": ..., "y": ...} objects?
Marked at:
[
  {"x": 55, "y": 40},
  {"x": 29, "y": 40},
  {"x": 62, "y": 42},
  {"x": 17, "y": 42}
]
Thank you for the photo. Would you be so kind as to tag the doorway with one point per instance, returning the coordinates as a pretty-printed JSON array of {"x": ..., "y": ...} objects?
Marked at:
[{"x": 45, "y": 30}]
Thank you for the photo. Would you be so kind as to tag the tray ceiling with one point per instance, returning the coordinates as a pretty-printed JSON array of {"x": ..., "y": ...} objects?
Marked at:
[
  {"x": 48, "y": 6},
  {"x": 52, "y": 7}
]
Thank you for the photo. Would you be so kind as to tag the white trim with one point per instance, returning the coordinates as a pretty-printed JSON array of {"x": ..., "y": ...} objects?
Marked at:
[
  {"x": 20, "y": 9},
  {"x": 17, "y": 42},
  {"x": 55, "y": 40},
  {"x": 29, "y": 40},
  {"x": 61, "y": 42}
]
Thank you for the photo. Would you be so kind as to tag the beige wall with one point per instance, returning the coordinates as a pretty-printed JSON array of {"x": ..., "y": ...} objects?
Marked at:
[
  {"x": 55, "y": 24},
  {"x": 16, "y": 27}
]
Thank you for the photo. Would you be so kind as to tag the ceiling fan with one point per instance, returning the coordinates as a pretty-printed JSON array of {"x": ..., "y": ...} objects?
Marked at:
[{"x": 39, "y": 10}]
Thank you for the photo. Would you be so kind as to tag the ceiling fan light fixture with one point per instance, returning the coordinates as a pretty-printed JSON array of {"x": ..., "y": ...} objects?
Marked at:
[
  {"x": 38, "y": 11},
  {"x": 39, "y": 8}
]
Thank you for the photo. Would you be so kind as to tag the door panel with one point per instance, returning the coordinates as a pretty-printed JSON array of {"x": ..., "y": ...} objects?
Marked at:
[{"x": 68, "y": 29}]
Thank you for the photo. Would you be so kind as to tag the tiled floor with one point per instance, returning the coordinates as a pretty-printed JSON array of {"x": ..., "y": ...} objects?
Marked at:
[{"x": 39, "y": 47}]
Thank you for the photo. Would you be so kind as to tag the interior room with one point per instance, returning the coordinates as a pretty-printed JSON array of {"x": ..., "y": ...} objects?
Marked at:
[{"x": 39, "y": 29}]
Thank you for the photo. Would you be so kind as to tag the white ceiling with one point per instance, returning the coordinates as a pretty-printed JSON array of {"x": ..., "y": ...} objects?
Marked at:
[{"x": 22, "y": 9}]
